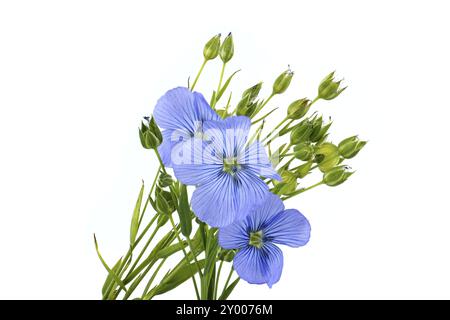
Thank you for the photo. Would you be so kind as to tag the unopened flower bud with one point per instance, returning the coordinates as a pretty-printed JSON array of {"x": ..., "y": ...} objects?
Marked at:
[
  {"x": 161, "y": 204},
  {"x": 165, "y": 180},
  {"x": 304, "y": 151},
  {"x": 319, "y": 130},
  {"x": 148, "y": 138},
  {"x": 348, "y": 148},
  {"x": 253, "y": 91},
  {"x": 287, "y": 185},
  {"x": 211, "y": 49},
  {"x": 329, "y": 88},
  {"x": 227, "y": 49},
  {"x": 301, "y": 133},
  {"x": 327, "y": 156},
  {"x": 153, "y": 127},
  {"x": 336, "y": 176},
  {"x": 298, "y": 108},
  {"x": 246, "y": 105},
  {"x": 282, "y": 82}
]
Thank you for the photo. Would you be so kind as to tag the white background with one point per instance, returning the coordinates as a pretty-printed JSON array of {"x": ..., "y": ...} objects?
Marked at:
[{"x": 77, "y": 76}]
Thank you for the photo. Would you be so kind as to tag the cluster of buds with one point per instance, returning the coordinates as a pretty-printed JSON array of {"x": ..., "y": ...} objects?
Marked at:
[
  {"x": 310, "y": 130},
  {"x": 149, "y": 134},
  {"x": 214, "y": 48}
]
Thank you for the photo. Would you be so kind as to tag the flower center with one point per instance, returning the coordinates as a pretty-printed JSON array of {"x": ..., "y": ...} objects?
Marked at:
[
  {"x": 256, "y": 239},
  {"x": 230, "y": 165}
]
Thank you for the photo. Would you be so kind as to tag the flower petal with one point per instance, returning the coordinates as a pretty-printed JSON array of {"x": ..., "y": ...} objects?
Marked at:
[
  {"x": 180, "y": 108},
  {"x": 255, "y": 158},
  {"x": 227, "y": 137},
  {"x": 289, "y": 227},
  {"x": 197, "y": 174},
  {"x": 165, "y": 148},
  {"x": 234, "y": 236},
  {"x": 264, "y": 212},
  {"x": 176, "y": 110},
  {"x": 252, "y": 191},
  {"x": 215, "y": 202},
  {"x": 204, "y": 111},
  {"x": 259, "y": 266}
]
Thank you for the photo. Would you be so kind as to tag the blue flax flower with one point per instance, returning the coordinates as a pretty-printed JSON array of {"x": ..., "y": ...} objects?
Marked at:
[
  {"x": 259, "y": 260},
  {"x": 226, "y": 170},
  {"x": 180, "y": 113}
]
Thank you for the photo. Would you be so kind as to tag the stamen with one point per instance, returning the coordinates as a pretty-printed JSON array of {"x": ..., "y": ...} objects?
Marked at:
[{"x": 256, "y": 239}]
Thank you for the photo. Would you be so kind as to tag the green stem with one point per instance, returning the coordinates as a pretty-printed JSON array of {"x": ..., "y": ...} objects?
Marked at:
[
  {"x": 274, "y": 129},
  {"x": 121, "y": 270},
  {"x": 163, "y": 168},
  {"x": 198, "y": 74},
  {"x": 228, "y": 280},
  {"x": 177, "y": 234},
  {"x": 217, "y": 279},
  {"x": 143, "y": 250},
  {"x": 256, "y": 133},
  {"x": 191, "y": 247},
  {"x": 152, "y": 188},
  {"x": 258, "y": 109},
  {"x": 222, "y": 72},
  {"x": 147, "y": 287},
  {"x": 286, "y": 165},
  {"x": 302, "y": 190}
]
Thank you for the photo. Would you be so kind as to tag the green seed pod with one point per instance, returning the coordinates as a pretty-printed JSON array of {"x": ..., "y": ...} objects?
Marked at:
[
  {"x": 165, "y": 180},
  {"x": 150, "y": 135},
  {"x": 336, "y": 176},
  {"x": 162, "y": 205},
  {"x": 303, "y": 170},
  {"x": 319, "y": 130},
  {"x": 211, "y": 49},
  {"x": 282, "y": 82},
  {"x": 301, "y": 133},
  {"x": 316, "y": 127},
  {"x": 227, "y": 49},
  {"x": 298, "y": 108},
  {"x": 327, "y": 156},
  {"x": 329, "y": 88},
  {"x": 162, "y": 220},
  {"x": 304, "y": 151},
  {"x": 287, "y": 185},
  {"x": 247, "y": 106},
  {"x": 348, "y": 148}
]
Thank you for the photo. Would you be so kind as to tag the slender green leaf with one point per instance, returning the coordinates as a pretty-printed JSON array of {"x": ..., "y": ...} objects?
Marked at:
[
  {"x": 170, "y": 250},
  {"x": 177, "y": 276},
  {"x": 136, "y": 214},
  {"x": 112, "y": 273},
  {"x": 109, "y": 278},
  {"x": 225, "y": 86},
  {"x": 229, "y": 289},
  {"x": 165, "y": 241},
  {"x": 184, "y": 212}
]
